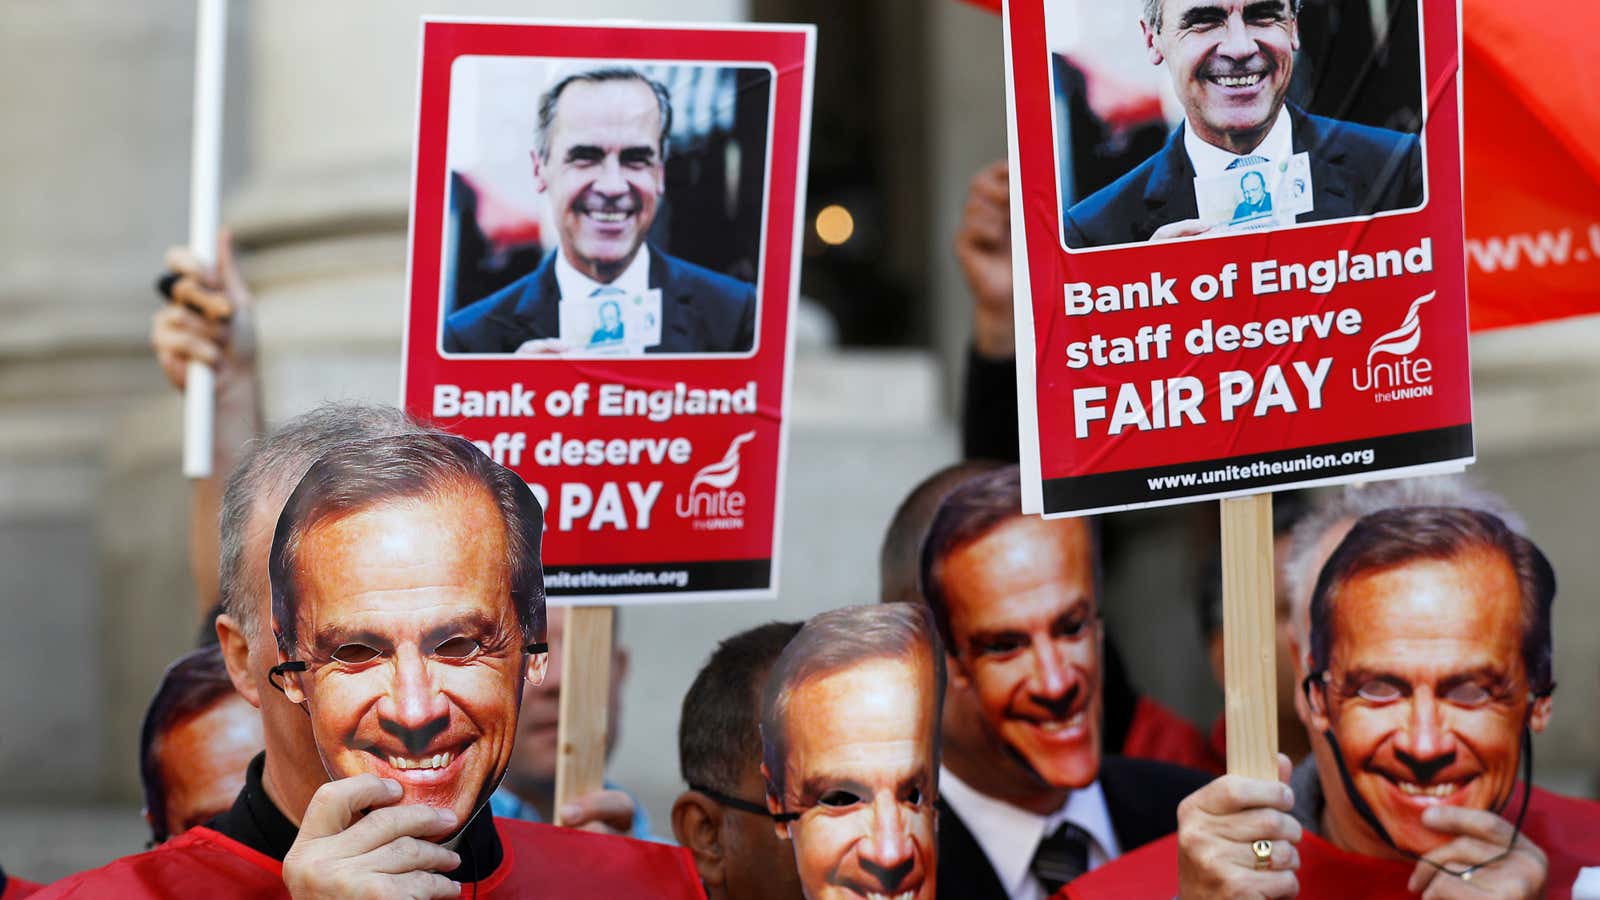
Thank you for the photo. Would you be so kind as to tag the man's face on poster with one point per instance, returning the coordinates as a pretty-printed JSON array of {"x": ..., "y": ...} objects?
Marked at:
[
  {"x": 1021, "y": 601},
  {"x": 1230, "y": 62},
  {"x": 1426, "y": 692},
  {"x": 414, "y": 651},
  {"x": 604, "y": 173},
  {"x": 860, "y": 771}
]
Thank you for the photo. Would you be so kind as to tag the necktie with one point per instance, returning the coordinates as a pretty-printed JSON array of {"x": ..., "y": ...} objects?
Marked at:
[
  {"x": 1061, "y": 857},
  {"x": 1247, "y": 161}
]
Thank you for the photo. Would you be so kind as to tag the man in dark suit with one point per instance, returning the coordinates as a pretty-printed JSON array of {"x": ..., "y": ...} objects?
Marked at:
[
  {"x": 601, "y": 148},
  {"x": 1027, "y": 800},
  {"x": 1231, "y": 61}
]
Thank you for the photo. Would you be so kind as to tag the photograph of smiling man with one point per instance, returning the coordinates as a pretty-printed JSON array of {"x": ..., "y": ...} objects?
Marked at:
[
  {"x": 1244, "y": 128},
  {"x": 850, "y": 752},
  {"x": 621, "y": 265}
]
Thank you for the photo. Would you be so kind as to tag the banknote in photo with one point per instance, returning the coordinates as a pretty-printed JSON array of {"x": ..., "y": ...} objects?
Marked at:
[
  {"x": 614, "y": 324},
  {"x": 1249, "y": 197}
]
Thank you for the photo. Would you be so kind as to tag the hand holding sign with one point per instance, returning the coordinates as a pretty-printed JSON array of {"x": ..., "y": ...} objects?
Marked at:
[
  {"x": 210, "y": 319},
  {"x": 983, "y": 246}
]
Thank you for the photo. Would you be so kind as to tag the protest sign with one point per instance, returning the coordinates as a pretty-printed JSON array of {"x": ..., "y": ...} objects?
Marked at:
[
  {"x": 604, "y": 261},
  {"x": 1179, "y": 338},
  {"x": 1532, "y": 202}
]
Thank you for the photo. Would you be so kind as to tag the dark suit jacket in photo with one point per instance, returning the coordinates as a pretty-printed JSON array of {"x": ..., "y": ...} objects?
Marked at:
[
  {"x": 1142, "y": 797},
  {"x": 1356, "y": 170},
  {"x": 701, "y": 311}
]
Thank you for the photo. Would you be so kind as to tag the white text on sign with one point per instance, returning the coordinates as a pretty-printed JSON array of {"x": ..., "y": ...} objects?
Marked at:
[{"x": 1173, "y": 402}]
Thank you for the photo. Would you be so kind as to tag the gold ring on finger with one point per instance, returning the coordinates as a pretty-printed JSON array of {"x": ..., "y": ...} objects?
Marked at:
[{"x": 1263, "y": 852}]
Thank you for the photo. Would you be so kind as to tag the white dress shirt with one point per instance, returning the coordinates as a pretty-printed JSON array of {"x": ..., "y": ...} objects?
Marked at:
[
  {"x": 1009, "y": 836},
  {"x": 1209, "y": 161},
  {"x": 634, "y": 280}
]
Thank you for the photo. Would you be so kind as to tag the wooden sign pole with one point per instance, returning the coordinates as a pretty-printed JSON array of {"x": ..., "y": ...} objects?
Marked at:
[
  {"x": 585, "y": 702},
  {"x": 1249, "y": 641}
]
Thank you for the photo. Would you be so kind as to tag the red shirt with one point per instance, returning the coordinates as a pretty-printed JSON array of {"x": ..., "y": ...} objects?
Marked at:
[
  {"x": 1160, "y": 734},
  {"x": 1325, "y": 872},
  {"x": 1566, "y": 829},
  {"x": 539, "y": 860}
]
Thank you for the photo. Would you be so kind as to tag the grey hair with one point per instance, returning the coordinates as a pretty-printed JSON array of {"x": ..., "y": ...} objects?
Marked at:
[
  {"x": 266, "y": 474},
  {"x": 837, "y": 640},
  {"x": 432, "y": 465},
  {"x": 1152, "y": 12},
  {"x": 1344, "y": 506},
  {"x": 548, "y": 101}
]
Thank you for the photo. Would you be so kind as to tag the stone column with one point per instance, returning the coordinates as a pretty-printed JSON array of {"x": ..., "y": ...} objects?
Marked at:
[{"x": 95, "y": 161}]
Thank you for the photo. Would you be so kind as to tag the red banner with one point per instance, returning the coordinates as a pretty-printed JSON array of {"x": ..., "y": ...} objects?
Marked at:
[
  {"x": 1533, "y": 165},
  {"x": 1274, "y": 296},
  {"x": 604, "y": 260}
]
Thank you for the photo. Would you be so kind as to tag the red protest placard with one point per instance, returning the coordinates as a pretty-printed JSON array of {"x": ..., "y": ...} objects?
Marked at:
[
  {"x": 1270, "y": 292},
  {"x": 604, "y": 262}
]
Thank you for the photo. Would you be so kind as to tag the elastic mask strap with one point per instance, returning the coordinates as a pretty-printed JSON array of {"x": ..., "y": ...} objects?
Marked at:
[
  {"x": 281, "y": 670},
  {"x": 1356, "y": 800},
  {"x": 732, "y": 802},
  {"x": 1527, "y": 769}
]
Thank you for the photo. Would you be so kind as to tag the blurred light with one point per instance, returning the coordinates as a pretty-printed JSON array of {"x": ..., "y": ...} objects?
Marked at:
[{"x": 835, "y": 224}]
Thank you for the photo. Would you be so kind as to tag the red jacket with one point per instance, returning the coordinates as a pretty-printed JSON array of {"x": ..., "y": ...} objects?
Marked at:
[
  {"x": 15, "y": 889},
  {"x": 540, "y": 861},
  {"x": 1159, "y": 733}
]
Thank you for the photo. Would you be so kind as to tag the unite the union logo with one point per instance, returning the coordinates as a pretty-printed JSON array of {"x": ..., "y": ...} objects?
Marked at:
[
  {"x": 712, "y": 502},
  {"x": 1406, "y": 377}
]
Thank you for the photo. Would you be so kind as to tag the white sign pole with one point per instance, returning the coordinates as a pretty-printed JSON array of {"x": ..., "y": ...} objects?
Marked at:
[{"x": 211, "y": 35}]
